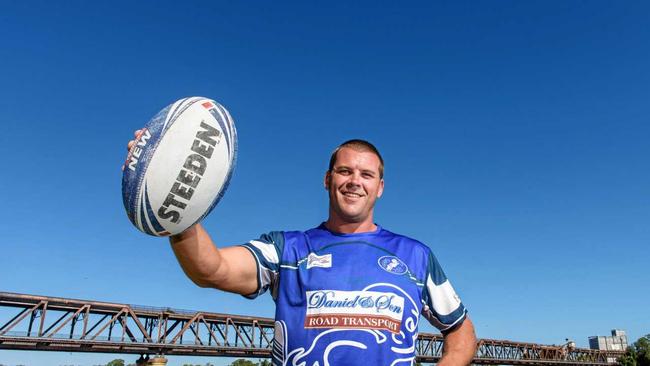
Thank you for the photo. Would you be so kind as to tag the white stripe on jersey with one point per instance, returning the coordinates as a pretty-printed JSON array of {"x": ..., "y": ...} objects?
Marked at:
[
  {"x": 267, "y": 250},
  {"x": 265, "y": 277},
  {"x": 443, "y": 297}
]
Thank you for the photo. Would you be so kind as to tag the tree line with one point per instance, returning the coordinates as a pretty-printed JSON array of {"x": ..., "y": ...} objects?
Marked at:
[{"x": 637, "y": 354}]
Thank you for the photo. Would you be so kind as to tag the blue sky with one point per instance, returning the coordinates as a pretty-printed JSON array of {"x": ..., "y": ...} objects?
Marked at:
[{"x": 515, "y": 136}]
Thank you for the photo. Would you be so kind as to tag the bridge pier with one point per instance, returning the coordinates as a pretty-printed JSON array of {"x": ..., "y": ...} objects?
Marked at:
[{"x": 157, "y": 360}]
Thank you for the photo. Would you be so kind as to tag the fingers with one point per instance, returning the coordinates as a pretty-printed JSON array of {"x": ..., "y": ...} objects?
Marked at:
[
  {"x": 136, "y": 135},
  {"x": 129, "y": 145}
]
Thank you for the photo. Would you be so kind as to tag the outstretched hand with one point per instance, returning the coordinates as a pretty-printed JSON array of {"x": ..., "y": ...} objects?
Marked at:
[{"x": 130, "y": 144}]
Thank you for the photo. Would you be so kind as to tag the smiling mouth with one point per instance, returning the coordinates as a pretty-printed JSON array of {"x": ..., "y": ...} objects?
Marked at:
[{"x": 352, "y": 194}]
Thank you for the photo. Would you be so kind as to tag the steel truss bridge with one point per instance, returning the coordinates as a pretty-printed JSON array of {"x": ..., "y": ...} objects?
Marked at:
[{"x": 29, "y": 322}]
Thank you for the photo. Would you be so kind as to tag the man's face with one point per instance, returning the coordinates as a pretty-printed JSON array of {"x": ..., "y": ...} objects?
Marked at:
[{"x": 354, "y": 185}]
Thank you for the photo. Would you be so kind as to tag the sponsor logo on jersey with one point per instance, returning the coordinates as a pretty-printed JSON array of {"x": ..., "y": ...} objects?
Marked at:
[
  {"x": 392, "y": 264},
  {"x": 321, "y": 261},
  {"x": 354, "y": 310}
]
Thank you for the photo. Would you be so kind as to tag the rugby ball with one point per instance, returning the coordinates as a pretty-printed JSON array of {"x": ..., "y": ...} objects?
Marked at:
[{"x": 180, "y": 166}]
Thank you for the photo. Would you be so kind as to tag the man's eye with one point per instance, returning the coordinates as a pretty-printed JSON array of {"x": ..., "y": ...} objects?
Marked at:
[
  {"x": 344, "y": 171},
  {"x": 368, "y": 175}
]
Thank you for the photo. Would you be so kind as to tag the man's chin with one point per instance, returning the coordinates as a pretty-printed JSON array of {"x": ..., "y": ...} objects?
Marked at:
[{"x": 352, "y": 217}]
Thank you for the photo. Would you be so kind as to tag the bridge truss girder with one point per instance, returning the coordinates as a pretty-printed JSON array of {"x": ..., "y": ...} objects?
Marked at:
[{"x": 58, "y": 324}]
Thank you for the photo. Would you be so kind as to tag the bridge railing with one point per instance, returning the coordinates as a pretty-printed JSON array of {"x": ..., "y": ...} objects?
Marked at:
[{"x": 57, "y": 324}]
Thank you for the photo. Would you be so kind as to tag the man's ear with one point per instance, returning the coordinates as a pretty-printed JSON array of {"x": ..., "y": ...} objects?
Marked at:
[
  {"x": 380, "y": 191},
  {"x": 326, "y": 181}
]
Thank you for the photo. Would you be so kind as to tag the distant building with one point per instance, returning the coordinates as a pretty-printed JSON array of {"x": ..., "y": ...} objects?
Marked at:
[{"x": 616, "y": 342}]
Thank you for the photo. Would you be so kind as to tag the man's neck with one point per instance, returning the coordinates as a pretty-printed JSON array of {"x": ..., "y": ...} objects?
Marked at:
[{"x": 339, "y": 226}]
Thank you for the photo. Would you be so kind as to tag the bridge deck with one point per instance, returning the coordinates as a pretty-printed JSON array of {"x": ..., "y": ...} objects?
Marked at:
[{"x": 29, "y": 322}]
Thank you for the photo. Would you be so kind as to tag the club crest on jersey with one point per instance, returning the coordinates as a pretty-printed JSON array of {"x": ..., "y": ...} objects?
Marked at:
[
  {"x": 322, "y": 261},
  {"x": 392, "y": 264}
]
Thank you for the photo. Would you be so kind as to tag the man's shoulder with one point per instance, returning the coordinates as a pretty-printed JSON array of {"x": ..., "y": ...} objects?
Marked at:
[
  {"x": 320, "y": 229},
  {"x": 282, "y": 236},
  {"x": 382, "y": 234},
  {"x": 405, "y": 240},
  {"x": 271, "y": 237}
]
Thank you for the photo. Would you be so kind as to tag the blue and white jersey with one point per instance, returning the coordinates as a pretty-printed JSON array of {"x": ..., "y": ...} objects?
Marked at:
[{"x": 348, "y": 299}]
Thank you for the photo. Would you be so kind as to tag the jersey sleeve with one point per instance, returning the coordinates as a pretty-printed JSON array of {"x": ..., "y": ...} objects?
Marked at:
[
  {"x": 267, "y": 251},
  {"x": 441, "y": 305}
]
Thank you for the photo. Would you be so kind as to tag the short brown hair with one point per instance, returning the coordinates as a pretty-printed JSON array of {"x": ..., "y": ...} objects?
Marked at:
[{"x": 361, "y": 146}]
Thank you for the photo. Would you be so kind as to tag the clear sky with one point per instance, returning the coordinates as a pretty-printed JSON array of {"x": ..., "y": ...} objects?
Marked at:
[{"x": 515, "y": 133}]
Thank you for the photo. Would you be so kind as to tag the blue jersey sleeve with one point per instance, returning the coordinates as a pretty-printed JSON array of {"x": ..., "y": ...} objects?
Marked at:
[
  {"x": 267, "y": 251},
  {"x": 441, "y": 305}
]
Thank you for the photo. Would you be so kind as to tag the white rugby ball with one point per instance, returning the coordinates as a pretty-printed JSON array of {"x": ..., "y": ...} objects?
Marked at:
[{"x": 180, "y": 166}]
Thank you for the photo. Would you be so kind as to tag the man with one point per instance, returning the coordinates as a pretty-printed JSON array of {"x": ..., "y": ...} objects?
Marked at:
[{"x": 347, "y": 292}]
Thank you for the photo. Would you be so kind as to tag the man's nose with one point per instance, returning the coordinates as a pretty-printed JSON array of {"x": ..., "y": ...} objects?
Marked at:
[{"x": 355, "y": 179}]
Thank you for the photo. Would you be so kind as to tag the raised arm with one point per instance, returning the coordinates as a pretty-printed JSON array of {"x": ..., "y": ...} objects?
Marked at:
[
  {"x": 230, "y": 269},
  {"x": 460, "y": 345}
]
